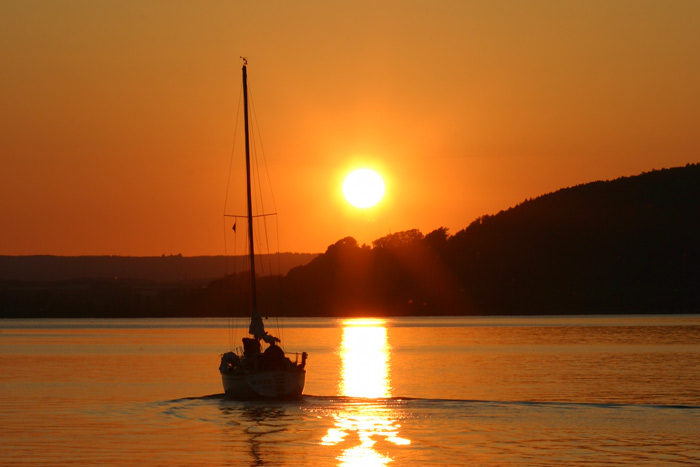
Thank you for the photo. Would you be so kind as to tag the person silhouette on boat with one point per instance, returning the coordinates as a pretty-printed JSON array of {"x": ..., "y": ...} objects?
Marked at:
[
  {"x": 274, "y": 358},
  {"x": 257, "y": 329}
]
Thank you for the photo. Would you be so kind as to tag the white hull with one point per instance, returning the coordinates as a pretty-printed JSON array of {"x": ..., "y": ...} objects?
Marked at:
[{"x": 273, "y": 384}]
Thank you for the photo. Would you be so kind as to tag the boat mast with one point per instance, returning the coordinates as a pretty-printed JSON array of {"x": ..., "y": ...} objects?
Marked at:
[{"x": 251, "y": 249}]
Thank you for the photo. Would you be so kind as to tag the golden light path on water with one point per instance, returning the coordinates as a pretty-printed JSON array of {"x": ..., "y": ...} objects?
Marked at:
[{"x": 365, "y": 355}]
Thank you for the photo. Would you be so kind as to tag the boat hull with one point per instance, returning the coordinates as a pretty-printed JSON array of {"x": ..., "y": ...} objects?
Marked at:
[{"x": 273, "y": 384}]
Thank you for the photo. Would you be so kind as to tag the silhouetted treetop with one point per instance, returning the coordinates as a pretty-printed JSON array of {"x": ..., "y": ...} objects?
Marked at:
[{"x": 398, "y": 239}]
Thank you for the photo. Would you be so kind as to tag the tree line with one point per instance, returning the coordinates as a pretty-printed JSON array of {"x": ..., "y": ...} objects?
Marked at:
[{"x": 624, "y": 246}]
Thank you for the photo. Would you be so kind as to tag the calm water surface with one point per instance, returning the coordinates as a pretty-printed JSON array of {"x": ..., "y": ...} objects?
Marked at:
[{"x": 408, "y": 391}]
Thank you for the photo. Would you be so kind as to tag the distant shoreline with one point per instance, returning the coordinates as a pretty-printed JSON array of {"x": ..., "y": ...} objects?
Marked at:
[
  {"x": 163, "y": 268},
  {"x": 243, "y": 324}
]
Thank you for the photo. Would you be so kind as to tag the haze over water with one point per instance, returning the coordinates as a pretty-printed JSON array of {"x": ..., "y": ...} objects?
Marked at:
[{"x": 406, "y": 391}]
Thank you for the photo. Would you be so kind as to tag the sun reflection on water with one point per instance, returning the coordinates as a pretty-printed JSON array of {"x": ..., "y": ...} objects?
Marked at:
[
  {"x": 365, "y": 357},
  {"x": 365, "y": 374}
]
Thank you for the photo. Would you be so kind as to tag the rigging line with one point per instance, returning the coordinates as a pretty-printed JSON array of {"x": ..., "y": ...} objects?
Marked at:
[
  {"x": 228, "y": 179},
  {"x": 268, "y": 257},
  {"x": 279, "y": 265},
  {"x": 233, "y": 149},
  {"x": 262, "y": 150},
  {"x": 278, "y": 280},
  {"x": 232, "y": 328},
  {"x": 225, "y": 249},
  {"x": 254, "y": 149},
  {"x": 256, "y": 127},
  {"x": 249, "y": 299},
  {"x": 232, "y": 279},
  {"x": 258, "y": 154},
  {"x": 258, "y": 141}
]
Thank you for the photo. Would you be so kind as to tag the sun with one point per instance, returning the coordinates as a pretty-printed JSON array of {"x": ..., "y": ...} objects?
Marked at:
[{"x": 363, "y": 188}]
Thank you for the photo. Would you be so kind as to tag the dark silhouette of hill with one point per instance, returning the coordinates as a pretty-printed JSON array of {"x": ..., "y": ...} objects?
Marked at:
[
  {"x": 630, "y": 245},
  {"x": 119, "y": 286},
  {"x": 624, "y": 246},
  {"x": 152, "y": 268}
]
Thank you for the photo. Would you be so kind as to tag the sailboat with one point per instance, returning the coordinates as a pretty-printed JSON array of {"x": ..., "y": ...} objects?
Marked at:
[{"x": 254, "y": 373}]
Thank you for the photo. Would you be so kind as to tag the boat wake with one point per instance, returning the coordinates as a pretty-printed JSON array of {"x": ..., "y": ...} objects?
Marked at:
[
  {"x": 314, "y": 399},
  {"x": 603, "y": 405}
]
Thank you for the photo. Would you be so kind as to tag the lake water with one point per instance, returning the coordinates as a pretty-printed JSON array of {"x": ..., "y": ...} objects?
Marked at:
[{"x": 407, "y": 391}]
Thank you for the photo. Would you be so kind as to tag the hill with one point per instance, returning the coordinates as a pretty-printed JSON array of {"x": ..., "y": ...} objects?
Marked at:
[
  {"x": 624, "y": 246},
  {"x": 118, "y": 286},
  {"x": 172, "y": 268}
]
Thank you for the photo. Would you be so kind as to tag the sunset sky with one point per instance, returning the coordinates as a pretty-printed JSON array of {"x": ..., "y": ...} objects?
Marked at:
[{"x": 117, "y": 117}]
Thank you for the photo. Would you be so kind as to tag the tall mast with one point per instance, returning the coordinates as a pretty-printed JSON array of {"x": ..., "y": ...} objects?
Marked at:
[{"x": 251, "y": 250}]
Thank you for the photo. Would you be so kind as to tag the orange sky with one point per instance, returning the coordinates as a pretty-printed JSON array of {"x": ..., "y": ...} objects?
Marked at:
[{"x": 117, "y": 118}]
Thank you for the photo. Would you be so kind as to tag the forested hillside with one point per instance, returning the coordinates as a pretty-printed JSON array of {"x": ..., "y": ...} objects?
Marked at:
[
  {"x": 629, "y": 245},
  {"x": 151, "y": 268},
  {"x": 623, "y": 246}
]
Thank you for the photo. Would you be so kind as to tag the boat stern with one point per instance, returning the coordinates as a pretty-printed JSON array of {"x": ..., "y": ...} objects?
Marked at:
[{"x": 264, "y": 384}]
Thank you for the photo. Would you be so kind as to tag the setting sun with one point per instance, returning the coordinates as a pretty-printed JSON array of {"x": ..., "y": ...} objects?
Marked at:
[{"x": 363, "y": 188}]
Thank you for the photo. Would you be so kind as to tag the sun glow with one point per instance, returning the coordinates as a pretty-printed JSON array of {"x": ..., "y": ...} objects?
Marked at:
[{"x": 363, "y": 188}]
